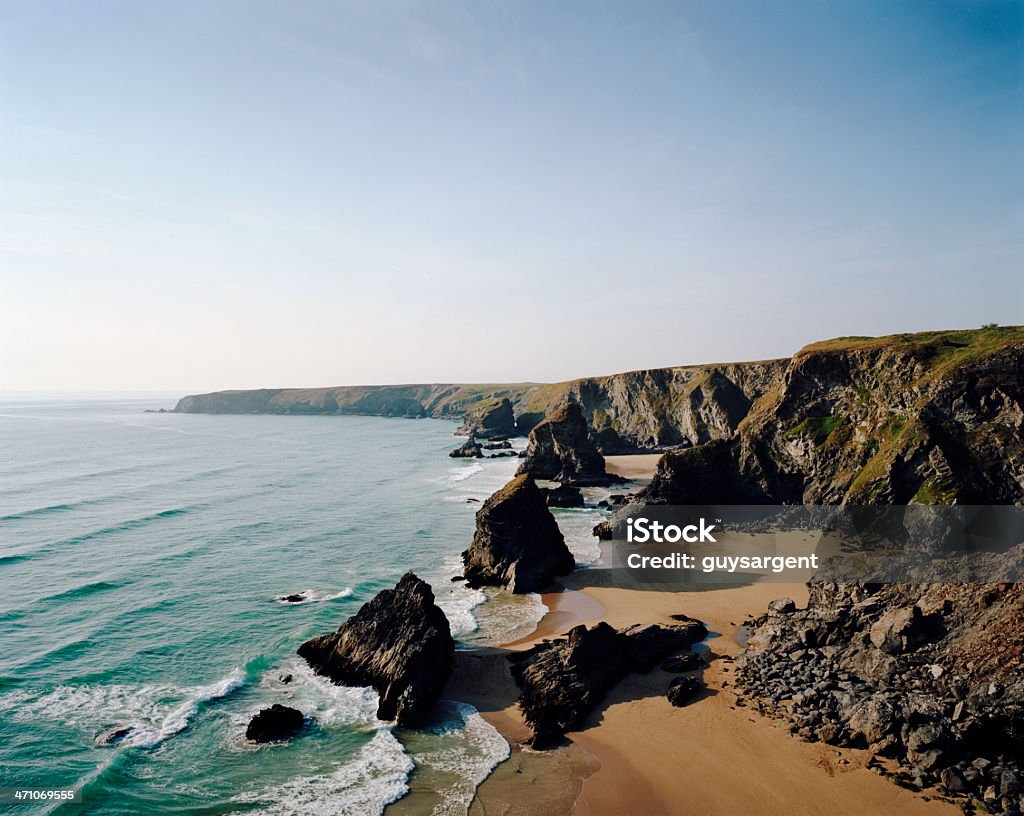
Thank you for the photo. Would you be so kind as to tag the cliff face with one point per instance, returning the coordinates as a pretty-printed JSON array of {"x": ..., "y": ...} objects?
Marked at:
[
  {"x": 933, "y": 418},
  {"x": 638, "y": 410},
  {"x": 659, "y": 408}
]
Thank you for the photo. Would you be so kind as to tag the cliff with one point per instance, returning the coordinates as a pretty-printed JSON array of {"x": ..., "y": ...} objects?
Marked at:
[
  {"x": 655, "y": 409},
  {"x": 933, "y": 418}
]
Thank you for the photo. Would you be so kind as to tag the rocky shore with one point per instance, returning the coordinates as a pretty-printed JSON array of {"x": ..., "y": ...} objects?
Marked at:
[{"x": 929, "y": 676}]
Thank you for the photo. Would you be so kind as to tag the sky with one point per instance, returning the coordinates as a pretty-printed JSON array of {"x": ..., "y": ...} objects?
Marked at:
[{"x": 218, "y": 194}]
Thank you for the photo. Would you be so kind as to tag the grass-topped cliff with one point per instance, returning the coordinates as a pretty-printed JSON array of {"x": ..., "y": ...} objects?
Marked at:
[
  {"x": 841, "y": 419},
  {"x": 934, "y": 417},
  {"x": 652, "y": 409}
]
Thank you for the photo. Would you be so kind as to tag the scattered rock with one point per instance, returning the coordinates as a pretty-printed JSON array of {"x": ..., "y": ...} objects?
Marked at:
[
  {"x": 470, "y": 449},
  {"x": 399, "y": 643},
  {"x": 564, "y": 496},
  {"x": 683, "y": 689}
]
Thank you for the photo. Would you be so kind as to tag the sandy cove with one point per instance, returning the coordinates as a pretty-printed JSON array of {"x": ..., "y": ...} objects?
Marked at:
[{"x": 637, "y": 755}]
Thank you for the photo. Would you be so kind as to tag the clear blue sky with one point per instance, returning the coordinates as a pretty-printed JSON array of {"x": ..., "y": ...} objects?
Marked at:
[{"x": 199, "y": 195}]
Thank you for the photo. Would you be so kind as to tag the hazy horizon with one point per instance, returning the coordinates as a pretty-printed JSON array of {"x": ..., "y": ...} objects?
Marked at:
[{"x": 207, "y": 196}]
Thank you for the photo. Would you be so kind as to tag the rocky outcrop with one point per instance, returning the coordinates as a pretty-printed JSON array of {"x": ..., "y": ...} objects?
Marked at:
[
  {"x": 517, "y": 544},
  {"x": 683, "y": 690},
  {"x": 560, "y": 449},
  {"x": 932, "y": 418},
  {"x": 561, "y": 681},
  {"x": 564, "y": 496},
  {"x": 489, "y": 421},
  {"x": 647, "y": 644},
  {"x": 399, "y": 643},
  {"x": 470, "y": 449},
  {"x": 275, "y": 724},
  {"x": 926, "y": 674}
]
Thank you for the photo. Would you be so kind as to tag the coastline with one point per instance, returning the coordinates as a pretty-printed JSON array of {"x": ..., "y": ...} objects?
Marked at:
[{"x": 637, "y": 754}]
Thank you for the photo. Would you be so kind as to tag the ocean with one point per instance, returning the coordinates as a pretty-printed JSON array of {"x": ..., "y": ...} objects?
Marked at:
[{"x": 143, "y": 562}]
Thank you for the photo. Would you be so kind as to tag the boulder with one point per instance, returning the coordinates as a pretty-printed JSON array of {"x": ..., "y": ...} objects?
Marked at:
[
  {"x": 560, "y": 449},
  {"x": 683, "y": 689},
  {"x": 399, "y": 643},
  {"x": 517, "y": 543},
  {"x": 646, "y": 644},
  {"x": 782, "y": 606},
  {"x": 491, "y": 420},
  {"x": 900, "y": 630},
  {"x": 275, "y": 723},
  {"x": 564, "y": 496},
  {"x": 470, "y": 449},
  {"x": 562, "y": 680}
]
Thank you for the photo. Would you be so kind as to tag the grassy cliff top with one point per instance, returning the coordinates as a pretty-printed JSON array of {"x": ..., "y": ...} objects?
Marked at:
[{"x": 975, "y": 342}]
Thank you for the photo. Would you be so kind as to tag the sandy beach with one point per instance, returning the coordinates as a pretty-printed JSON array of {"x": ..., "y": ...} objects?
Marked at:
[{"x": 637, "y": 754}]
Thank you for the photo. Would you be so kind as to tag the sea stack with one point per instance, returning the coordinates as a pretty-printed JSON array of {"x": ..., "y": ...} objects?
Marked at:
[
  {"x": 517, "y": 543},
  {"x": 399, "y": 643},
  {"x": 560, "y": 449}
]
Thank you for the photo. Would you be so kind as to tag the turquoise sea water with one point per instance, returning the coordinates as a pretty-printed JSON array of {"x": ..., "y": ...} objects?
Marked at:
[{"x": 142, "y": 561}]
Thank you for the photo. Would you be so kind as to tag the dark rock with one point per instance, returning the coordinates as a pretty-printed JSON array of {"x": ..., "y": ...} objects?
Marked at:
[
  {"x": 560, "y": 449},
  {"x": 564, "y": 496},
  {"x": 687, "y": 661},
  {"x": 456, "y": 578},
  {"x": 488, "y": 421},
  {"x": 683, "y": 689},
  {"x": 275, "y": 723},
  {"x": 953, "y": 780},
  {"x": 285, "y": 679},
  {"x": 297, "y": 598},
  {"x": 503, "y": 454},
  {"x": 399, "y": 643},
  {"x": 646, "y": 644},
  {"x": 517, "y": 543},
  {"x": 561, "y": 681},
  {"x": 504, "y": 444},
  {"x": 115, "y": 736},
  {"x": 469, "y": 450}
]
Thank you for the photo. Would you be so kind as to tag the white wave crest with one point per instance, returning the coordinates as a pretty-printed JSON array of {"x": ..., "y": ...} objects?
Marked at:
[
  {"x": 308, "y": 596},
  {"x": 463, "y": 473},
  {"x": 375, "y": 778},
  {"x": 141, "y": 716}
]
